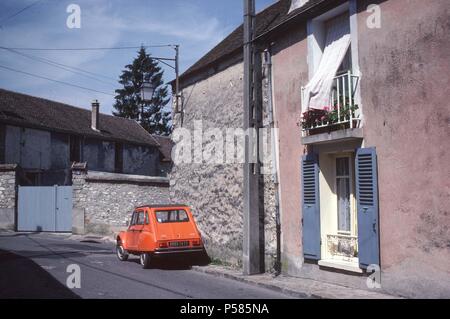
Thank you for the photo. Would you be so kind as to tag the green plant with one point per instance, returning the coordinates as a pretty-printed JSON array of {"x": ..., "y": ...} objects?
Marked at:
[
  {"x": 153, "y": 115},
  {"x": 328, "y": 115},
  {"x": 344, "y": 113}
]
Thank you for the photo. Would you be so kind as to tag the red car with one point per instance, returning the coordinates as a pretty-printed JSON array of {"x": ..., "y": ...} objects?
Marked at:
[{"x": 159, "y": 231}]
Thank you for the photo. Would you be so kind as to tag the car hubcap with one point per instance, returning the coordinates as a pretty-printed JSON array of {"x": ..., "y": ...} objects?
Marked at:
[{"x": 120, "y": 252}]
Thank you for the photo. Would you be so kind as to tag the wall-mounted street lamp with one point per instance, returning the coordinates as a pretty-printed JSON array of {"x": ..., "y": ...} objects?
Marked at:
[
  {"x": 147, "y": 92},
  {"x": 148, "y": 89}
]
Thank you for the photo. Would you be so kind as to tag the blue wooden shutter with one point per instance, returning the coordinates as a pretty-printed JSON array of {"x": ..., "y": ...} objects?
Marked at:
[
  {"x": 311, "y": 207},
  {"x": 367, "y": 206}
]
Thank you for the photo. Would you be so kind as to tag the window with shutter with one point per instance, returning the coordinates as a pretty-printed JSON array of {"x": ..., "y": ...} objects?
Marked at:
[
  {"x": 367, "y": 206},
  {"x": 311, "y": 207}
]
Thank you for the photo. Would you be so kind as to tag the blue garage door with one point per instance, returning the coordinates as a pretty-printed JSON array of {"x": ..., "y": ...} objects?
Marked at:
[{"x": 47, "y": 209}]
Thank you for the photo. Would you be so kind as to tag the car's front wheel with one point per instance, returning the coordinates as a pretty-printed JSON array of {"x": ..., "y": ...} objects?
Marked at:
[
  {"x": 122, "y": 254},
  {"x": 145, "y": 260}
]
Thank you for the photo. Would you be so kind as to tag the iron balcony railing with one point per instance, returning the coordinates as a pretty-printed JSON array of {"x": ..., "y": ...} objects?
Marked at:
[{"x": 344, "y": 110}]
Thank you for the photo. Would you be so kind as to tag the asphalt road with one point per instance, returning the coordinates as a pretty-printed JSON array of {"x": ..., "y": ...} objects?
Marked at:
[{"x": 35, "y": 266}]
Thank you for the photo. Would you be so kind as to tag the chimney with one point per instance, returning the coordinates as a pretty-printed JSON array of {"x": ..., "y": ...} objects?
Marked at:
[{"x": 95, "y": 115}]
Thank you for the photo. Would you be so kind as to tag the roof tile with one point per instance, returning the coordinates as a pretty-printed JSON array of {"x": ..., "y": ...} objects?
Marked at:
[{"x": 30, "y": 111}]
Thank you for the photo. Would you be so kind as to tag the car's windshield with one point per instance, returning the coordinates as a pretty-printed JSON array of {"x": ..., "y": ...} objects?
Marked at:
[{"x": 172, "y": 216}]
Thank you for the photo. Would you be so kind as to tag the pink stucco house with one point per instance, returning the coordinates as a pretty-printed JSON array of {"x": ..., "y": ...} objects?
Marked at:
[{"x": 359, "y": 95}]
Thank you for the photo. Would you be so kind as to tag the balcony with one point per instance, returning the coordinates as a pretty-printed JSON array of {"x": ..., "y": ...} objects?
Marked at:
[{"x": 341, "y": 120}]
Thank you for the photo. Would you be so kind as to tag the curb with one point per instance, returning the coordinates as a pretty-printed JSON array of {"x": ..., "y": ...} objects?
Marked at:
[
  {"x": 93, "y": 238},
  {"x": 300, "y": 294},
  {"x": 242, "y": 278}
]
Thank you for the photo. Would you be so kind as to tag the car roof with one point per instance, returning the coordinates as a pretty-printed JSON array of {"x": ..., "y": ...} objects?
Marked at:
[{"x": 163, "y": 206}]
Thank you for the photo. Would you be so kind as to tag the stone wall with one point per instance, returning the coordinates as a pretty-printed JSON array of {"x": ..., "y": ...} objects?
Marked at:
[
  {"x": 8, "y": 191},
  {"x": 103, "y": 202},
  {"x": 215, "y": 190}
]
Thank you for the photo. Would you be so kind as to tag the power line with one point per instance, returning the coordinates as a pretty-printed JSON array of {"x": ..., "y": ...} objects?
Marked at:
[
  {"x": 93, "y": 49},
  {"x": 53, "y": 80},
  {"x": 65, "y": 67},
  {"x": 19, "y": 12}
]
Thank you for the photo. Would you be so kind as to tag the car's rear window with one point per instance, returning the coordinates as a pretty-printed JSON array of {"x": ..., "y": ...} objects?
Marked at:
[{"x": 172, "y": 216}]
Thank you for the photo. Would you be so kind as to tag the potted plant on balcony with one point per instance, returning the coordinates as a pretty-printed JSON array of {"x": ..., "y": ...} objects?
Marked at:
[
  {"x": 329, "y": 118},
  {"x": 313, "y": 117}
]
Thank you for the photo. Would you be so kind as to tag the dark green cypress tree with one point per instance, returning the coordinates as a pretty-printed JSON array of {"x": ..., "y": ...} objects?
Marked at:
[{"x": 153, "y": 115}]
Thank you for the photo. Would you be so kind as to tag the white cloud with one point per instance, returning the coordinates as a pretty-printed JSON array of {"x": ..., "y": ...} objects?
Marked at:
[{"x": 104, "y": 24}]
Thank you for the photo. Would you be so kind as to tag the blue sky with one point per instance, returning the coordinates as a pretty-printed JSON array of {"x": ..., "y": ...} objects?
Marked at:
[{"x": 197, "y": 25}]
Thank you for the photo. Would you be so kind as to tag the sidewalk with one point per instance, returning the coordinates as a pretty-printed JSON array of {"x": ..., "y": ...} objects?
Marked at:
[
  {"x": 65, "y": 236},
  {"x": 92, "y": 238},
  {"x": 295, "y": 287}
]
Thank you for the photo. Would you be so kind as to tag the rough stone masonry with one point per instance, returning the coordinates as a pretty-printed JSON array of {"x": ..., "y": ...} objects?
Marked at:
[
  {"x": 103, "y": 202},
  {"x": 8, "y": 181},
  {"x": 214, "y": 191}
]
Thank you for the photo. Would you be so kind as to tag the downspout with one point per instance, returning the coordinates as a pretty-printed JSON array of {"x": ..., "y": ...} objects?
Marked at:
[
  {"x": 253, "y": 226},
  {"x": 271, "y": 120}
]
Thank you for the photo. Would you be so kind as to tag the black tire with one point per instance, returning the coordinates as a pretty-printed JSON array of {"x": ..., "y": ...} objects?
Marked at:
[
  {"x": 121, "y": 253},
  {"x": 145, "y": 259}
]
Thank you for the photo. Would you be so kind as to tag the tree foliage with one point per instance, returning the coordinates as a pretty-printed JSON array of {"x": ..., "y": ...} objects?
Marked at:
[{"x": 153, "y": 115}]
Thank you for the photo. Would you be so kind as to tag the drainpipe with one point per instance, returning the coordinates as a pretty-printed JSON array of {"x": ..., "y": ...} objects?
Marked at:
[
  {"x": 253, "y": 222},
  {"x": 270, "y": 113}
]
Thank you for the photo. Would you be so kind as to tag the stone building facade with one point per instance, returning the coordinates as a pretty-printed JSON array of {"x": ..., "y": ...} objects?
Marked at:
[{"x": 214, "y": 190}]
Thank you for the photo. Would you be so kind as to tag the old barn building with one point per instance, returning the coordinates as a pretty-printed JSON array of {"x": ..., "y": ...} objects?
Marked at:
[
  {"x": 44, "y": 137},
  {"x": 64, "y": 168}
]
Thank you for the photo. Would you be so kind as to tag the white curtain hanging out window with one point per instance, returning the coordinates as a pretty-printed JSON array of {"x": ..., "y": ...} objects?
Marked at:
[{"x": 317, "y": 93}]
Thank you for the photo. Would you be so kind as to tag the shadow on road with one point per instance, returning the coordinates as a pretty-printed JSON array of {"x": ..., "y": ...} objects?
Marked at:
[
  {"x": 22, "y": 234},
  {"x": 20, "y": 277},
  {"x": 176, "y": 263}
]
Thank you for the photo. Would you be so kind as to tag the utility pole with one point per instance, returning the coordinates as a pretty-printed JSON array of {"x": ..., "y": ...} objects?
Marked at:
[
  {"x": 177, "y": 78},
  {"x": 253, "y": 245}
]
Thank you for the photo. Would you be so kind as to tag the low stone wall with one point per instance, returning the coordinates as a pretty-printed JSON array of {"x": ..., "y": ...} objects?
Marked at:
[
  {"x": 103, "y": 202},
  {"x": 8, "y": 192}
]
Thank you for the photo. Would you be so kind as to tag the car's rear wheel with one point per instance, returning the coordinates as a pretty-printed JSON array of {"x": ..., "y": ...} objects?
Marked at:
[
  {"x": 122, "y": 254},
  {"x": 145, "y": 259}
]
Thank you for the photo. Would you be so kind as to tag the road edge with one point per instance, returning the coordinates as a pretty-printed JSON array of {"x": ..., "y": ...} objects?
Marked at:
[{"x": 263, "y": 280}]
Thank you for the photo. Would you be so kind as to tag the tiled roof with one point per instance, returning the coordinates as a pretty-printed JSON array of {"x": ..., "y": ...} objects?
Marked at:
[
  {"x": 29, "y": 111},
  {"x": 166, "y": 145}
]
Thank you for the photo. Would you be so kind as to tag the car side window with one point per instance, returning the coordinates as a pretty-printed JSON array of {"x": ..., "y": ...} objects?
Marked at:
[
  {"x": 182, "y": 216},
  {"x": 133, "y": 216},
  {"x": 140, "y": 218}
]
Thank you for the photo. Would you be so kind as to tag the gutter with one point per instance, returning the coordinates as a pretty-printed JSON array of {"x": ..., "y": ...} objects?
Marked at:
[
  {"x": 78, "y": 134},
  {"x": 274, "y": 139},
  {"x": 301, "y": 11}
]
